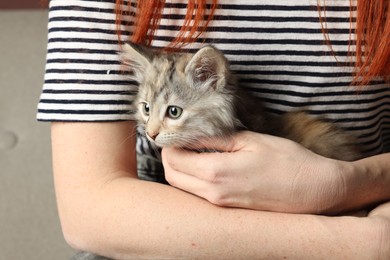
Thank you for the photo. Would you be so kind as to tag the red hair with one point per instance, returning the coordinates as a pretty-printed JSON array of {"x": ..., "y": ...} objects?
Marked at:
[
  {"x": 372, "y": 31},
  {"x": 373, "y": 36},
  {"x": 148, "y": 14}
]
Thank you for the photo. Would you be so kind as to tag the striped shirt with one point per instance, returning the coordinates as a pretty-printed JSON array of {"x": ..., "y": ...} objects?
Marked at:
[{"x": 277, "y": 48}]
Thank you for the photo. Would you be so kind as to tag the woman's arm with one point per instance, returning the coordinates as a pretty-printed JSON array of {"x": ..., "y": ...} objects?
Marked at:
[
  {"x": 264, "y": 172},
  {"x": 104, "y": 209}
]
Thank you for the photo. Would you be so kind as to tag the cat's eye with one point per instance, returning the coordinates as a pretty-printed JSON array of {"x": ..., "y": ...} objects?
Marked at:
[
  {"x": 174, "y": 112},
  {"x": 145, "y": 108}
]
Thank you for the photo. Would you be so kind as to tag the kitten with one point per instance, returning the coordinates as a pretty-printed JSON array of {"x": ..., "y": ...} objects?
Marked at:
[{"x": 185, "y": 97}]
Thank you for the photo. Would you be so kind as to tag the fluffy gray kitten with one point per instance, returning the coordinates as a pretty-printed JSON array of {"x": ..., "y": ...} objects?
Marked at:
[{"x": 185, "y": 97}]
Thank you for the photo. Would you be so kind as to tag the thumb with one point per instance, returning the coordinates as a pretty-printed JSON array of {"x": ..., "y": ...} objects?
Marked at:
[{"x": 381, "y": 210}]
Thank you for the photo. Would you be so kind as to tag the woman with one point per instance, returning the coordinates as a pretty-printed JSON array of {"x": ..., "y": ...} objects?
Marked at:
[{"x": 279, "y": 52}]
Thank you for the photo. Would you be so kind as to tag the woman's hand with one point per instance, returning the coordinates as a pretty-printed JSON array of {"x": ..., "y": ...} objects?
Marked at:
[{"x": 260, "y": 172}]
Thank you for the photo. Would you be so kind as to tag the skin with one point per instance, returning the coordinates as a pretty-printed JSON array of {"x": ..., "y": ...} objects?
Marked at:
[
  {"x": 106, "y": 210},
  {"x": 263, "y": 172}
]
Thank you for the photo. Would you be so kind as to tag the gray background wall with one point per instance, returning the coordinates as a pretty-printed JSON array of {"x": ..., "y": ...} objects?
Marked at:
[{"x": 29, "y": 225}]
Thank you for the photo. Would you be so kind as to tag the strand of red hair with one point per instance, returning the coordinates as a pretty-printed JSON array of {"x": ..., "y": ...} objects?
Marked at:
[
  {"x": 371, "y": 36},
  {"x": 148, "y": 14},
  {"x": 373, "y": 40}
]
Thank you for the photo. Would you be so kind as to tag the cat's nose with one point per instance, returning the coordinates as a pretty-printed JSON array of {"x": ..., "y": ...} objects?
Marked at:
[{"x": 153, "y": 135}]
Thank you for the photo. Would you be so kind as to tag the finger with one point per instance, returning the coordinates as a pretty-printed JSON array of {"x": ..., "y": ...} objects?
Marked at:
[
  {"x": 209, "y": 191},
  {"x": 381, "y": 210},
  {"x": 183, "y": 181},
  {"x": 200, "y": 188},
  {"x": 205, "y": 166}
]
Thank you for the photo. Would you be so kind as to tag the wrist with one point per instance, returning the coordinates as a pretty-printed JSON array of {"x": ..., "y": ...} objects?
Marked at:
[
  {"x": 333, "y": 191},
  {"x": 348, "y": 188},
  {"x": 320, "y": 187},
  {"x": 364, "y": 184},
  {"x": 342, "y": 176}
]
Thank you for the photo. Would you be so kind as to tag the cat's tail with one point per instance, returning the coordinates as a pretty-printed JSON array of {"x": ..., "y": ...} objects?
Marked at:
[{"x": 318, "y": 135}]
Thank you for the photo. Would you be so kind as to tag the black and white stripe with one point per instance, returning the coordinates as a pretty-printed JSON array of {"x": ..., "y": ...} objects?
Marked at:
[
  {"x": 277, "y": 49},
  {"x": 84, "y": 80}
]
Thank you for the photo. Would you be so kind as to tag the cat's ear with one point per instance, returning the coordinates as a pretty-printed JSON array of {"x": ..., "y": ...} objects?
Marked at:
[
  {"x": 137, "y": 57},
  {"x": 207, "y": 69}
]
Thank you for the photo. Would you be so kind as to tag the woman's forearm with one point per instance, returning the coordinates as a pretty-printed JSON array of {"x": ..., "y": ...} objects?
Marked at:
[{"x": 147, "y": 220}]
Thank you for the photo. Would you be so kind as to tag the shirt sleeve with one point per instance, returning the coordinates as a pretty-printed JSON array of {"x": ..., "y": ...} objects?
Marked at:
[{"x": 84, "y": 79}]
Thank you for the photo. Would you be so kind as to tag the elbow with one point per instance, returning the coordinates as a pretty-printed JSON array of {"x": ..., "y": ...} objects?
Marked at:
[
  {"x": 74, "y": 241},
  {"x": 77, "y": 223},
  {"x": 85, "y": 228},
  {"x": 75, "y": 237},
  {"x": 83, "y": 236}
]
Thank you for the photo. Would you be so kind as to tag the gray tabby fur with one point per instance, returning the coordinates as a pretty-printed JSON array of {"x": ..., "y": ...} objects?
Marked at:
[{"x": 212, "y": 104}]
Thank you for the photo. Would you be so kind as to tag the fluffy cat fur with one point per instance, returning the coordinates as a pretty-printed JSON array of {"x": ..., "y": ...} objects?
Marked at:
[{"x": 185, "y": 97}]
